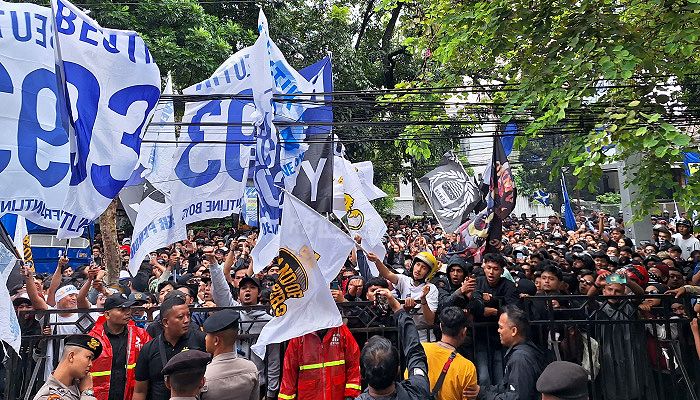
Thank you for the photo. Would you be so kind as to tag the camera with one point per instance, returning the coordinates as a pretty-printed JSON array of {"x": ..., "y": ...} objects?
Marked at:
[{"x": 381, "y": 303}]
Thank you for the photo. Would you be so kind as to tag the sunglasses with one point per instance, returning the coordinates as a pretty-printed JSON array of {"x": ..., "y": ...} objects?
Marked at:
[
  {"x": 586, "y": 281},
  {"x": 651, "y": 292}
]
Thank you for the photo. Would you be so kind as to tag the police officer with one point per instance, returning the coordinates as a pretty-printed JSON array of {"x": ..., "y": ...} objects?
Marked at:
[
  {"x": 228, "y": 376},
  {"x": 184, "y": 374},
  {"x": 563, "y": 380},
  {"x": 71, "y": 380}
]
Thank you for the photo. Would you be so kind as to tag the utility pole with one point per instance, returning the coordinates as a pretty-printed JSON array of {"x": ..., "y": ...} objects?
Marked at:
[{"x": 636, "y": 230}]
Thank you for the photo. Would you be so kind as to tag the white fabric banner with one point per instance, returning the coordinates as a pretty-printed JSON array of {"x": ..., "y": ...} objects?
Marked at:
[
  {"x": 34, "y": 165},
  {"x": 365, "y": 172},
  {"x": 279, "y": 149},
  {"x": 9, "y": 326},
  {"x": 312, "y": 250},
  {"x": 208, "y": 179},
  {"x": 156, "y": 226},
  {"x": 362, "y": 218},
  {"x": 112, "y": 86}
]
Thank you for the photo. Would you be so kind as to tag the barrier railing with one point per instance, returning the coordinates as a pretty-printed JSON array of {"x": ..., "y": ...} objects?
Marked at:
[{"x": 629, "y": 353}]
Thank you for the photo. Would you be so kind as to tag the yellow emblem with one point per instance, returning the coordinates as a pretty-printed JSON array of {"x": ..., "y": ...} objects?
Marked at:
[{"x": 93, "y": 343}]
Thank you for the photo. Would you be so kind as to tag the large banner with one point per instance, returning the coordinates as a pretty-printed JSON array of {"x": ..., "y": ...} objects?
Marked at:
[
  {"x": 34, "y": 165},
  {"x": 68, "y": 142},
  {"x": 111, "y": 86},
  {"x": 210, "y": 168}
]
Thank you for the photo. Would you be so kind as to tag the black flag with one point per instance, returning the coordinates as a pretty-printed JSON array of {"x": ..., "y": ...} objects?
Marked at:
[
  {"x": 451, "y": 192},
  {"x": 502, "y": 189}
]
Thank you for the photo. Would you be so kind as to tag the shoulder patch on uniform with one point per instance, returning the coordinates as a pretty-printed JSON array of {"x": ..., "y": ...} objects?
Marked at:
[
  {"x": 53, "y": 397},
  {"x": 418, "y": 371}
]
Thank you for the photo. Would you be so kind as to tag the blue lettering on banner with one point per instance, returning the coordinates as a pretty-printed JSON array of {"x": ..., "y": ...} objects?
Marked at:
[
  {"x": 157, "y": 225},
  {"x": 183, "y": 170},
  {"x": 5, "y": 87},
  {"x": 210, "y": 206},
  {"x": 66, "y": 21}
]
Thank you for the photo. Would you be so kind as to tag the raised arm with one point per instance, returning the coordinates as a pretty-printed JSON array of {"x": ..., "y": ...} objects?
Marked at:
[
  {"x": 82, "y": 300},
  {"x": 383, "y": 269},
  {"x": 37, "y": 301},
  {"x": 55, "y": 281}
]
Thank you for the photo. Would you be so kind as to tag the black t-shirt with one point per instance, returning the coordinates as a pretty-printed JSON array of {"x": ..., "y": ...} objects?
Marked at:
[
  {"x": 149, "y": 364},
  {"x": 118, "y": 376}
]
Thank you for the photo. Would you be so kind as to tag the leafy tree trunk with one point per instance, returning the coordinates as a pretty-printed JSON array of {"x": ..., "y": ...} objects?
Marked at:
[
  {"x": 389, "y": 63},
  {"x": 108, "y": 229},
  {"x": 365, "y": 22}
]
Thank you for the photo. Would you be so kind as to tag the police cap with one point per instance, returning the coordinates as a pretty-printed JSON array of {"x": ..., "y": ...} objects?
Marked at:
[
  {"x": 564, "y": 380},
  {"x": 189, "y": 360},
  {"x": 221, "y": 320},
  {"x": 86, "y": 342}
]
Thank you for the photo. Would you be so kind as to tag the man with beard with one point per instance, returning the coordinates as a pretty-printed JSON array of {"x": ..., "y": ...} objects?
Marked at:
[
  {"x": 113, "y": 370},
  {"x": 251, "y": 322},
  {"x": 415, "y": 287},
  {"x": 66, "y": 297},
  {"x": 176, "y": 337}
]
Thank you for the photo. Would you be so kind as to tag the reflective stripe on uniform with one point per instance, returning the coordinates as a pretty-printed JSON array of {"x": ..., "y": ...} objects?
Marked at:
[
  {"x": 131, "y": 366},
  {"x": 101, "y": 373},
  {"x": 353, "y": 386},
  {"x": 286, "y": 396},
  {"x": 321, "y": 365}
]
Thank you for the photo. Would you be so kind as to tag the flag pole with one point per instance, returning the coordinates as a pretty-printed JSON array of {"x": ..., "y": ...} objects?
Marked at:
[{"x": 430, "y": 205}]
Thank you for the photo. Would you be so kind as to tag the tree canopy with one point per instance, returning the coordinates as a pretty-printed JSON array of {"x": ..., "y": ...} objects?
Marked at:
[{"x": 601, "y": 73}]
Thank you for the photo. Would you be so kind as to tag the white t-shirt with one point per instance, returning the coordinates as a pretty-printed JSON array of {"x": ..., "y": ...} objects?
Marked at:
[
  {"x": 687, "y": 245},
  {"x": 56, "y": 322},
  {"x": 406, "y": 289}
]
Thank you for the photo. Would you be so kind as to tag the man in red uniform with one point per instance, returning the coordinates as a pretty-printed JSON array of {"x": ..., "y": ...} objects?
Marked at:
[
  {"x": 113, "y": 371},
  {"x": 322, "y": 365}
]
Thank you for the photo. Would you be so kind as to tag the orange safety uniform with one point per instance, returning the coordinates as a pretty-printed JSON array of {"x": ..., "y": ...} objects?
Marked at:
[
  {"x": 327, "y": 369},
  {"x": 102, "y": 366}
]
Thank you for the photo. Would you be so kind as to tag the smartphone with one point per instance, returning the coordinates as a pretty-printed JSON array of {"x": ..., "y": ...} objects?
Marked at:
[
  {"x": 616, "y": 278},
  {"x": 335, "y": 285}
]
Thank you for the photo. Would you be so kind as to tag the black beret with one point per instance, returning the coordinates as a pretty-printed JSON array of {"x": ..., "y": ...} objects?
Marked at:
[
  {"x": 188, "y": 360},
  {"x": 86, "y": 342},
  {"x": 564, "y": 380},
  {"x": 221, "y": 320}
]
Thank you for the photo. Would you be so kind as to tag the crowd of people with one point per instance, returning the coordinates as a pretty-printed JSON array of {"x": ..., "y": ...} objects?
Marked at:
[{"x": 428, "y": 320}]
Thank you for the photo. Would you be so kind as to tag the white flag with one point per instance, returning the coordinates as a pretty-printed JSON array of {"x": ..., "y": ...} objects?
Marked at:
[
  {"x": 111, "y": 86},
  {"x": 20, "y": 233},
  {"x": 9, "y": 326},
  {"x": 365, "y": 171},
  {"x": 312, "y": 250},
  {"x": 156, "y": 226},
  {"x": 362, "y": 218}
]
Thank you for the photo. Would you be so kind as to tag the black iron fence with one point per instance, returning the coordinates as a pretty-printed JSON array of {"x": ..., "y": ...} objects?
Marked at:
[{"x": 633, "y": 347}]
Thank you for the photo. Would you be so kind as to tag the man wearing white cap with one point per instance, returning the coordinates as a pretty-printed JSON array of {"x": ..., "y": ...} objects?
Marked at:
[{"x": 67, "y": 297}]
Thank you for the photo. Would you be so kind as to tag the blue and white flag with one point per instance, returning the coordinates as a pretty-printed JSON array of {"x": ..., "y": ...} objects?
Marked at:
[
  {"x": 250, "y": 207},
  {"x": 569, "y": 217},
  {"x": 155, "y": 225},
  {"x": 34, "y": 150},
  {"x": 10, "y": 331},
  {"x": 207, "y": 178},
  {"x": 111, "y": 85},
  {"x": 278, "y": 152},
  {"x": 542, "y": 196}
]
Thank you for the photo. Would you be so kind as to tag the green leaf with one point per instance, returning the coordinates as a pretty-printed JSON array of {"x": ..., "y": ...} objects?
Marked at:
[
  {"x": 660, "y": 151},
  {"x": 640, "y": 131},
  {"x": 635, "y": 103}
]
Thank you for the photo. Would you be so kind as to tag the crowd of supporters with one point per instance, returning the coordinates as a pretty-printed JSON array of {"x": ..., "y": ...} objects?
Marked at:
[{"x": 455, "y": 326}]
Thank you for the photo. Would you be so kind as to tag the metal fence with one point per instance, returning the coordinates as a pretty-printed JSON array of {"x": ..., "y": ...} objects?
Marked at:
[{"x": 628, "y": 354}]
